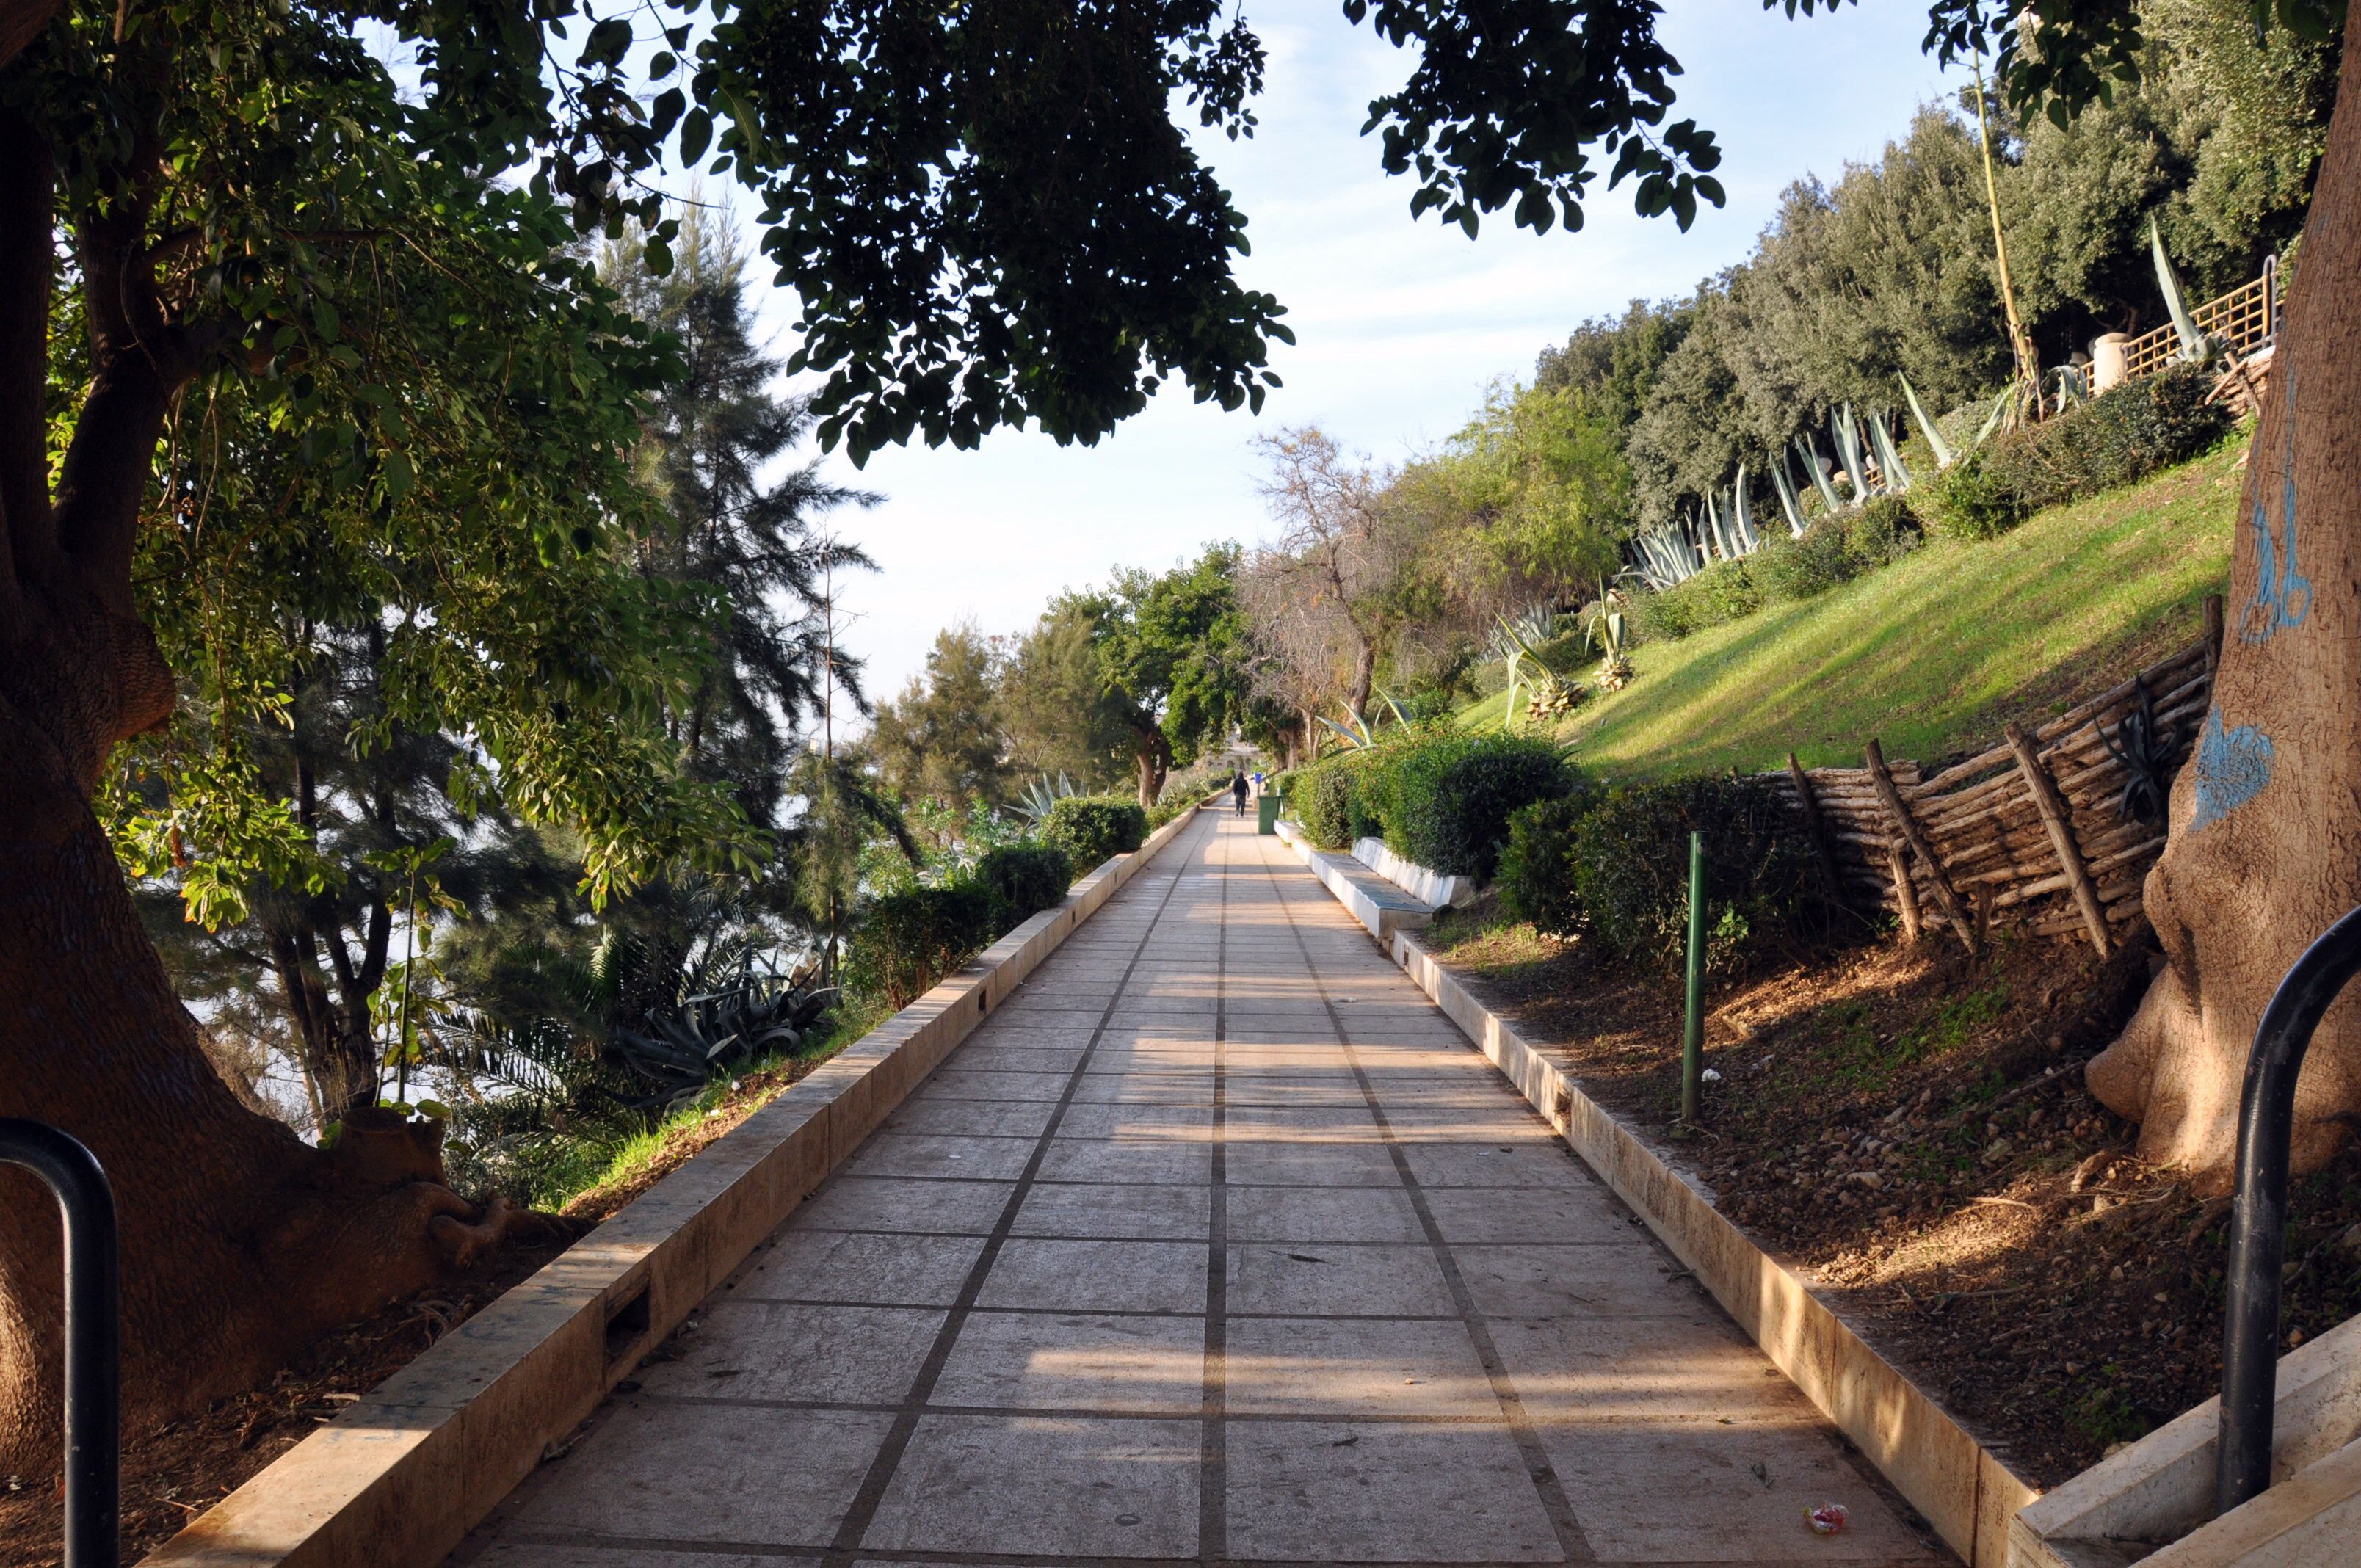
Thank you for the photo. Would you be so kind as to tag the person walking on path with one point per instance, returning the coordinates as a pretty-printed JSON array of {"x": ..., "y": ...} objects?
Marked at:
[{"x": 1238, "y": 790}]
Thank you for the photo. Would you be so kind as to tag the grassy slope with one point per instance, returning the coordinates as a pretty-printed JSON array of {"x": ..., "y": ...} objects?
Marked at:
[{"x": 1936, "y": 652}]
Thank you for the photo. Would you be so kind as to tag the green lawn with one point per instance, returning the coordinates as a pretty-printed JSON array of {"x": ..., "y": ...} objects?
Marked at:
[{"x": 1935, "y": 653}]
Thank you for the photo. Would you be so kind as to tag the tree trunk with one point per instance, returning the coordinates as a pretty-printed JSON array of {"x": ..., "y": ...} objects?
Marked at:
[
  {"x": 2265, "y": 847},
  {"x": 239, "y": 1241},
  {"x": 1155, "y": 760},
  {"x": 1365, "y": 676}
]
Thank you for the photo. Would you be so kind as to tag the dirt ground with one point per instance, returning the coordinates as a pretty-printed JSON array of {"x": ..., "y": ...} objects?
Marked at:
[
  {"x": 170, "y": 1477},
  {"x": 1909, "y": 1130}
]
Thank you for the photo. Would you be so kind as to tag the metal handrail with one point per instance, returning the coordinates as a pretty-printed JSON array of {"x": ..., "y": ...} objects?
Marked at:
[
  {"x": 93, "y": 1334},
  {"x": 2250, "y": 1329}
]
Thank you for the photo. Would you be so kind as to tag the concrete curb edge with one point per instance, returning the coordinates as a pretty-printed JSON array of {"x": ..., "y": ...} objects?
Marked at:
[{"x": 1964, "y": 1490}]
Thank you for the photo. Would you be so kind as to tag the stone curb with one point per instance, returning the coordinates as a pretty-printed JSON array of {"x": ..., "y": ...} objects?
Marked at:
[
  {"x": 1377, "y": 903},
  {"x": 1426, "y": 886},
  {"x": 1960, "y": 1486},
  {"x": 397, "y": 1479}
]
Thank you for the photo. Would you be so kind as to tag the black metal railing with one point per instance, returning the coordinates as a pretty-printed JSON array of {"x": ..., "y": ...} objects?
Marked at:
[
  {"x": 93, "y": 1334},
  {"x": 2250, "y": 1329}
]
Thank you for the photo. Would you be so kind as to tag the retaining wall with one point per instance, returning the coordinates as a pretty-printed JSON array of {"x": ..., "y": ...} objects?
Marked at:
[{"x": 397, "y": 1479}]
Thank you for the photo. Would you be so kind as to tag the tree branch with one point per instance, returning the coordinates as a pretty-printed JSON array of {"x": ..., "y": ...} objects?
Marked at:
[{"x": 22, "y": 21}]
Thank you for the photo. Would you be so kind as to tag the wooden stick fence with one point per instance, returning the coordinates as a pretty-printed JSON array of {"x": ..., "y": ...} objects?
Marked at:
[{"x": 2030, "y": 829}]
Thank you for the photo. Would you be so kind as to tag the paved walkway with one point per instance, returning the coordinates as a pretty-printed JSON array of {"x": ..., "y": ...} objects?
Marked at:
[{"x": 1217, "y": 1243}]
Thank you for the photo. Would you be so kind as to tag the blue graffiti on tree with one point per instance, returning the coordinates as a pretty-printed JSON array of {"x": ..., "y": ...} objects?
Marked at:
[
  {"x": 2282, "y": 594},
  {"x": 2233, "y": 766}
]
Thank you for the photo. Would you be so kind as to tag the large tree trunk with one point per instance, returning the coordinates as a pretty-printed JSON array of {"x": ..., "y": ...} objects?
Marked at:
[
  {"x": 2265, "y": 849},
  {"x": 238, "y": 1240},
  {"x": 1155, "y": 762}
]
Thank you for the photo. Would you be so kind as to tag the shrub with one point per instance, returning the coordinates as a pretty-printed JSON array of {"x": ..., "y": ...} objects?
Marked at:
[
  {"x": 1324, "y": 801},
  {"x": 2132, "y": 430},
  {"x": 1968, "y": 500},
  {"x": 1451, "y": 798},
  {"x": 1723, "y": 591},
  {"x": 1026, "y": 879},
  {"x": 1882, "y": 532},
  {"x": 1616, "y": 869},
  {"x": 1537, "y": 864},
  {"x": 911, "y": 939},
  {"x": 1092, "y": 828},
  {"x": 1174, "y": 803},
  {"x": 1282, "y": 782},
  {"x": 1796, "y": 569}
]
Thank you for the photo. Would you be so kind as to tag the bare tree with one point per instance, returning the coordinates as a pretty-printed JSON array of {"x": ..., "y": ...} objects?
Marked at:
[{"x": 1326, "y": 595}]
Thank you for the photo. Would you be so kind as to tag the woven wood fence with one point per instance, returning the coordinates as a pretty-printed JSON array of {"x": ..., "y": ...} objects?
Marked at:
[{"x": 2029, "y": 832}]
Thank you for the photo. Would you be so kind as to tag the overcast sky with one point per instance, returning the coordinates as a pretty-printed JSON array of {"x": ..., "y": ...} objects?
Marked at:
[{"x": 1399, "y": 325}]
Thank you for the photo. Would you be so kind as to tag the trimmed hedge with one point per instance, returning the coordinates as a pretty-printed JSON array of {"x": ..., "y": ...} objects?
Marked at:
[
  {"x": 1442, "y": 798},
  {"x": 1323, "y": 796},
  {"x": 1449, "y": 798},
  {"x": 908, "y": 940},
  {"x": 2131, "y": 432},
  {"x": 1094, "y": 828},
  {"x": 1024, "y": 879},
  {"x": 1615, "y": 869}
]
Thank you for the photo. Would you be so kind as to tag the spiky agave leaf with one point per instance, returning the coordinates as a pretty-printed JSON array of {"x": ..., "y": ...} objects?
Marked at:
[
  {"x": 1741, "y": 519},
  {"x": 1847, "y": 435},
  {"x": 1791, "y": 505},
  {"x": 1944, "y": 456},
  {"x": 1889, "y": 457},
  {"x": 2001, "y": 417},
  {"x": 2194, "y": 345},
  {"x": 1819, "y": 475}
]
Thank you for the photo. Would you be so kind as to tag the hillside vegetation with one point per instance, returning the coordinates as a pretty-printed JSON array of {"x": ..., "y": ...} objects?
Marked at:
[{"x": 1934, "y": 654}]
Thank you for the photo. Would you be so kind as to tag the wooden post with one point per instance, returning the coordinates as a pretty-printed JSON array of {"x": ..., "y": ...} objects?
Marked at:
[
  {"x": 2056, "y": 817},
  {"x": 1905, "y": 892},
  {"x": 1814, "y": 831},
  {"x": 1937, "y": 877}
]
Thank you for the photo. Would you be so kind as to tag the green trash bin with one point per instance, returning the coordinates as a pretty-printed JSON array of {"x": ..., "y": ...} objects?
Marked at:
[{"x": 1266, "y": 813}]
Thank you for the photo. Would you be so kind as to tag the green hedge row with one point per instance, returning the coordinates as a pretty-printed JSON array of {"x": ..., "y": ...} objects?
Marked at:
[
  {"x": 910, "y": 939},
  {"x": 1439, "y": 798},
  {"x": 1612, "y": 866},
  {"x": 1094, "y": 828}
]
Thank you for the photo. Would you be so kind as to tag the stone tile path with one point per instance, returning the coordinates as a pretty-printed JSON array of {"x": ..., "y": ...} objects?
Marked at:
[{"x": 1217, "y": 1243}]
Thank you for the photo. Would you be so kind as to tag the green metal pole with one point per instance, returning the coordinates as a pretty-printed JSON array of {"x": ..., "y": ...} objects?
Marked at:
[{"x": 1693, "y": 1030}]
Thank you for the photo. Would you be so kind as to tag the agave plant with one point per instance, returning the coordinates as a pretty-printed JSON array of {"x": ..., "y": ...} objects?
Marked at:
[
  {"x": 1741, "y": 520},
  {"x": 1889, "y": 456},
  {"x": 678, "y": 1052},
  {"x": 1819, "y": 475},
  {"x": 1791, "y": 504},
  {"x": 2148, "y": 754},
  {"x": 2073, "y": 387},
  {"x": 1849, "y": 451},
  {"x": 1667, "y": 557},
  {"x": 1033, "y": 803},
  {"x": 1944, "y": 456},
  {"x": 1602, "y": 626},
  {"x": 1549, "y": 694},
  {"x": 2195, "y": 345}
]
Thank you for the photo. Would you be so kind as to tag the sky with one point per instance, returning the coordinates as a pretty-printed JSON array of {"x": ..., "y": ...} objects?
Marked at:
[{"x": 1399, "y": 325}]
